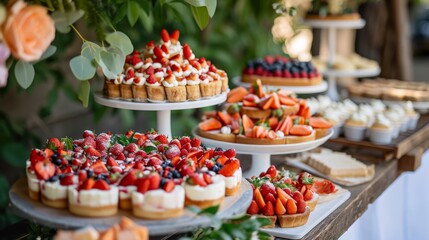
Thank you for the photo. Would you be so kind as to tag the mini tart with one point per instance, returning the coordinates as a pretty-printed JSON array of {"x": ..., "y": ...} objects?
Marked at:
[
  {"x": 313, "y": 202},
  {"x": 217, "y": 135},
  {"x": 125, "y": 194},
  {"x": 33, "y": 185},
  {"x": 111, "y": 90},
  {"x": 208, "y": 90},
  {"x": 193, "y": 92},
  {"x": 126, "y": 91},
  {"x": 218, "y": 85},
  {"x": 224, "y": 79},
  {"x": 294, "y": 220},
  {"x": 155, "y": 93},
  {"x": 278, "y": 81},
  {"x": 299, "y": 139},
  {"x": 321, "y": 132},
  {"x": 259, "y": 141},
  {"x": 53, "y": 194},
  {"x": 204, "y": 197},
  {"x": 255, "y": 113},
  {"x": 159, "y": 204},
  {"x": 233, "y": 183},
  {"x": 94, "y": 202},
  {"x": 273, "y": 220},
  {"x": 343, "y": 17},
  {"x": 176, "y": 94},
  {"x": 139, "y": 93}
]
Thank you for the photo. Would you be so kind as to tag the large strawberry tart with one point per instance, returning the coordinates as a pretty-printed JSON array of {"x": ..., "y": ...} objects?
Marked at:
[
  {"x": 168, "y": 71},
  {"x": 143, "y": 172}
]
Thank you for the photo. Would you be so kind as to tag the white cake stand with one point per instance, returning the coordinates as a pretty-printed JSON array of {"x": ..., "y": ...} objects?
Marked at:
[
  {"x": 261, "y": 154},
  {"x": 163, "y": 109},
  {"x": 322, "y": 87}
]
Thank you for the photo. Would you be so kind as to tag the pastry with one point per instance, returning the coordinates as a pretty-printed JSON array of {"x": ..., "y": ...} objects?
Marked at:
[{"x": 203, "y": 190}]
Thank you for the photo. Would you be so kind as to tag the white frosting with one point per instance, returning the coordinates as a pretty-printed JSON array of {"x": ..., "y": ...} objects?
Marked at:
[
  {"x": 212, "y": 191},
  {"x": 147, "y": 65},
  {"x": 138, "y": 65},
  {"x": 156, "y": 65},
  {"x": 156, "y": 84},
  {"x": 128, "y": 81},
  {"x": 158, "y": 200},
  {"x": 324, "y": 101},
  {"x": 280, "y": 134},
  {"x": 193, "y": 82},
  {"x": 332, "y": 115},
  {"x": 33, "y": 182},
  {"x": 205, "y": 81},
  {"x": 93, "y": 197},
  {"x": 174, "y": 83},
  {"x": 182, "y": 82},
  {"x": 225, "y": 130},
  {"x": 175, "y": 49},
  {"x": 382, "y": 120},
  {"x": 126, "y": 192},
  {"x": 313, "y": 104},
  {"x": 378, "y": 105},
  {"x": 187, "y": 72},
  {"x": 159, "y": 74},
  {"x": 141, "y": 82},
  {"x": 167, "y": 44},
  {"x": 53, "y": 190},
  {"x": 234, "y": 180},
  {"x": 359, "y": 117},
  {"x": 178, "y": 74},
  {"x": 393, "y": 116},
  {"x": 119, "y": 79},
  {"x": 350, "y": 105},
  {"x": 408, "y": 107}
]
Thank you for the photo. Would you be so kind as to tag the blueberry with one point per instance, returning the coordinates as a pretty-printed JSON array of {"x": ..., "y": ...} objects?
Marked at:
[
  {"x": 176, "y": 174},
  {"x": 215, "y": 168},
  {"x": 57, "y": 161},
  {"x": 89, "y": 173},
  {"x": 54, "y": 178},
  {"x": 204, "y": 146},
  {"x": 219, "y": 149},
  {"x": 219, "y": 165},
  {"x": 169, "y": 175},
  {"x": 163, "y": 182}
]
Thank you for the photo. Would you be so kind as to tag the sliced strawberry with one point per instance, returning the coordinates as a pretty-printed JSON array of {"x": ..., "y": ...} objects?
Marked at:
[
  {"x": 155, "y": 181},
  {"x": 187, "y": 52},
  {"x": 210, "y": 124},
  {"x": 91, "y": 151},
  {"x": 98, "y": 167},
  {"x": 230, "y": 153},
  {"x": 154, "y": 161},
  {"x": 175, "y": 142},
  {"x": 279, "y": 207},
  {"x": 253, "y": 208},
  {"x": 195, "y": 142},
  {"x": 67, "y": 180},
  {"x": 272, "y": 171},
  {"x": 270, "y": 198},
  {"x": 131, "y": 148},
  {"x": 268, "y": 209},
  {"x": 142, "y": 185},
  {"x": 266, "y": 102},
  {"x": 273, "y": 122},
  {"x": 308, "y": 195},
  {"x": 48, "y": 152},
  {"x": 54, "y": 143},
  {"x": 282, "y": 196},
  {"x": 300, "y": 130},
  {"x": 297, "y": 195},
  {"x": 247, "y": 123},
  {"x": 222, "y": 159},
  {"x": 162, "y": 139},
  {"x": 207, "y": 178},
  {"x": 165, "y": 36},
  {"x": 169, "y": 186},
  {"x": 300, "y": 206},
  {"x": 68, "y": 169},
  {"x": 196, "y": 179},
  {"x": 323, "y": 187},
  {"x": 82, "y": 175},
  {"x": 111, "y": 162},
  {"x": 172, "y": 151},
  {"x": 175, "y": 35},
  {"x": 158, "y": 52},
  {"x": 87, "y": 184},
  {"x": 230, "y": 167},
  {"x": 258, "y": 198},
  {"x": 36, "y": 156},
  {"x": 129, "y": 179},
  {"x": 236, "y": 95},
  {"x": 44, "y": 170},
  {"x": 224, "y": 117},
  {"x": 101, "y": 185},
  {"x": 319, "y": 122},
  {"x": 276, "y": 101},
  {"x": 291, "y": 207}
]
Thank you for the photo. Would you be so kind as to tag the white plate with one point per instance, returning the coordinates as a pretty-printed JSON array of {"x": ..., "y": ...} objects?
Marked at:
[
  {"x": 349, "y": 24},
  {"x": 321, "y": 211},
  {"x": 159, "y": 106},
  {"x": 264, "y": 149},
  {"x": 322, "y": 87},
  {"x": 422, "y": 107},
  {"x": 356, "y": 73}
]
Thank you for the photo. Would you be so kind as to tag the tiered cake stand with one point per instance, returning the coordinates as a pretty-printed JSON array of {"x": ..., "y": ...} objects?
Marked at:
[
  {"x": 261, "y": 154},
  {"x": 332, "y": 74}
]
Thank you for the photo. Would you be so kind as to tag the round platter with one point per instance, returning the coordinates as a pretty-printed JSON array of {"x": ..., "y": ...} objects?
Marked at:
[
  {"x": 265, "y": 149},
  {"x": 349, "y": 24},
  {"x": 359, "y": 73},
  {"x": 322, "y": 87},
  {"x": 422, "y": 107},
  {"x": 158, "y": 106},
  {"x": 63, "y": 219}
]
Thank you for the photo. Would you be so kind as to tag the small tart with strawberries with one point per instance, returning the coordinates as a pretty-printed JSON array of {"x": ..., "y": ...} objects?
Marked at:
[{"x": 203, "y": 190}]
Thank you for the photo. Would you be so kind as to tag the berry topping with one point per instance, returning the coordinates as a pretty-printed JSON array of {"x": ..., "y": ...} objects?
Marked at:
[
  {"x": 101, "y": 185},
  {"x": 175, "y": 35},
  {"x": 67, "y": 180},
  {"x": 44, "y": 170},
  {"x": 165, "y": 36}
]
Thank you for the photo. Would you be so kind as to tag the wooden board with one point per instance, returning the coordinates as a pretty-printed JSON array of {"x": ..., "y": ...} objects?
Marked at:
[{"x": 400, "y": 146}]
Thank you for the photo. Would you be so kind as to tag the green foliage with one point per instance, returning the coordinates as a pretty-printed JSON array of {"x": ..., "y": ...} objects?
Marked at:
[{"x": 24, "y": 73}]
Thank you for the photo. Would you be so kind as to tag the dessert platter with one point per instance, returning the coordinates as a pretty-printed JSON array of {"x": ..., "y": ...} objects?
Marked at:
[
  {"x": 338, "y": 13},
  {"x": 261, "y": 123},
  {"x": 98, "y": 179},
  {"x": 353, "y": 65},
  {"x": 292, "y": 202},
  {"x": 163, "y": 77},
  {"x": 288, "y": 74},
  {"x": 392, "y": 92}
]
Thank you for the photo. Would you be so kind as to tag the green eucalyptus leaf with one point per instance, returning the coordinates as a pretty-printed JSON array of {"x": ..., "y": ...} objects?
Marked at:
[
  {"x": 113, "y": 59},
  {"x": 201, "y": 16},
  {"x": 120, "y": 14},
  {"x": 209, "y": 4},
  {"x": 146, "y": 6},
  {"x": 82, "y": 68},
  {"x": 83, "y": 92},
  {"x": 24, "y": 73},
  {"x": 121, "y": 41},
  {"x": 49, "y": 52},
  {"x": 91, "y": 50},
  {"x": 133, "y": 12},
  {"x": 146, "y": 20},
  {"x": 63, "y": 20}
]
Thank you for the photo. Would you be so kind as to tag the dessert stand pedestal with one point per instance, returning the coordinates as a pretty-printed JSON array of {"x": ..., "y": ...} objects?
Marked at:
[
  {"x": 322, "y": 87},
  {"x": 332, "y": 74},
  {"x": 163, "y": 109},
  {"x": 261, "y": 154}
]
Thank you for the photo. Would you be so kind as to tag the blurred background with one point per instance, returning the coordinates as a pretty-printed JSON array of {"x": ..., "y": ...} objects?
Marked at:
[{"x": 396, "y": 36}]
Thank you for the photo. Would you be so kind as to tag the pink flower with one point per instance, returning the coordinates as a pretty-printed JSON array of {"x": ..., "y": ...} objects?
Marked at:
[{"x": 4, "y": 55}]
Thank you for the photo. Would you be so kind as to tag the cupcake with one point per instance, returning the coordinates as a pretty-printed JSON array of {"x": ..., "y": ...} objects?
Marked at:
[
  {"x": 193, "y": 87},
  {"x": 413, "y": 116},
  {"x": 155, "y": 91},
  {"x": 112, "y": 87},
  {"x": 139, "y": 88},
  {"x": 381, "y": 131},
  {"x": 350, "y": 106},
  {"x": 378, "y": 106},
  {"x": 175, "y": 93},
  {"x": 126, "y": 89},
  {"x": 403, "y": 116},
  {"x": 334, "y": 117},
  {"x": 207, "y": 86},
  {"x": 355, "y": 127},
  {"x": 395, "y": 118},
  {"x": 224, "y": 79}
]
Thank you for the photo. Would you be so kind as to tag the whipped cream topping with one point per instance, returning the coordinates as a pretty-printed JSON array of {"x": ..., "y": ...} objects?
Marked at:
[
  {"x": 128, "y": 81},
  {"x": 234, "y": 180},
  {"x": 212, "y": 191},
  {"x": 94, "y": 197},
  {"x": 225, "y": 130},
  {"x": 383, "y": 121},
  {"x": 159, "y": 200},
  {"x": 408, "y": 107},
  {"x": 324, "y": 101},
  {"x": 156, "y": 65},
  {"x": 378, "y": 105},
  {"x": 193, "y": 80},
  {"x": 142, "y": 80},
  {"x": 33, "y": 182},
  {"x": 350, "y": 105},
  {"x": 280, "y": 134},
  {"x": 119, "y": 79},
  {"x": 170, "y": 81},
  {"x": 175, "y": 49},
  {"x": 53, "y": 190},
  {"x": 393, "y": 116},
  {"x": 313, "y": 104},
  {"x": 182, "y": 81},
  {"x": 359, "y": 117},
  {"x": 332, "y": 115}
]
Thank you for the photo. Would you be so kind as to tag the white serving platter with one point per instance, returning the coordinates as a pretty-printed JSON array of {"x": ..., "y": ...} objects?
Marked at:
[{"x": 348, "y": 24}]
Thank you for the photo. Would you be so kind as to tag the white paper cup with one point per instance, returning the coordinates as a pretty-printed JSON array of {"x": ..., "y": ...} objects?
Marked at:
[
  {"x": 404, "y": 125},
  {"x": 396, "y": 129},
  {"x": 336, "y": 130},
  {"x": 380, "y": 136},
  {"x": 354, "y": 133},
  {"x": 412, "y": 121}
]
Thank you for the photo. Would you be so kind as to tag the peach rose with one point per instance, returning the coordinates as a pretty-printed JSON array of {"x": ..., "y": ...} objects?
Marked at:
[{"x": 28, "y": 31}]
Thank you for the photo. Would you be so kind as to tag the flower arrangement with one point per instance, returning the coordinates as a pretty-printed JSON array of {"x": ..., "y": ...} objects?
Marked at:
[{"x": 28, "y": 29}]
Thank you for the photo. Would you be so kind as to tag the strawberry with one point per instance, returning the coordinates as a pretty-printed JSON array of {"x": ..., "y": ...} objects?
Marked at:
[
  {"x": 270, "y": 198},
  {"x": 135, "y": 60},
  {"x": 154, "y": 180},
  {"x": 195, "y": 142},
  {"x": 131, "y": 148},
  {"x": 158, "y": 52},
  {"x": 300, "y": 206},
  {"x": 82, "y": 175},
  {"x": 175, "y": 142},
  {"x": 184, "y": 140},
  {"x": 172, "y": 151},
  {"x": 67, "y": 180},
  {"x": 258, "y": 198},
  {"x": 207, "y": 178},
  {"x": 291, "y": 207},
  {"x": 91, "y": 151},
  {"x": 297, "y": 195},
  {"x": 230, "y": 153},
  {"x": 116, "y": 149},
  {"x": 48, "y": 152},
  {"x": 184, "y": 152},
  {"x": 168, "y": 186},
  {"x": 89, "y": 142},
  {"x": 111, "y": 162},
  {"x": 175, "y": 35},
  {"x": 308, "y": 195},
  {"x": 139, "y": 165},
  {"x": 36, "y": 156},
  {"x": 88, "y": 133},
  {"x": 150, "y": 44},
  {"x": 221, "y": 159},
  {"x": 267, "y": 188},
  {"x": 121, "y": 156},
  {"x": 269, "y": 59},
  {"x": 154, "y": 161},
  {"x": 162, "y": 139},
  {"x": 98, "y": 167},
  {"x": 287, "y": 191},
  {"x": 164, "y": 48},
  {"x": 68, "y": 169},
  {"x": 44, "y": 170},
  {"x": 186, "y": 170},
  {"x": 165, "y": 36},
  {"x": 230, "y": 167},
  {"x": 209, "y": 164},
  {"x": 142, "y": 185},
  {"x": 54, "y": 143},
  {"x": 187, "y": 52},
  {"x": 116, "y": 169},
  {"x": 196, "y": 179},
  {"x": 212, "y": 68},
  {"x": 279, "y": 207},
  {"x": 268, "y": 209},
  {"x": 150, "y": 70},
  {"x": 129, "y": 179},
  {"x": 87, "y": 184},
  {"x": 101, "y": 185},
  {"x": 272, "y": 171},
  {"x": 253, "y": 208}
]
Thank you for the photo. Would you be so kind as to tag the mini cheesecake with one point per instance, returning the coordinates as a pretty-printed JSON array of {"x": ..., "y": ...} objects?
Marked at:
[
  {"x": 201, "y": 194},
  {"x": 233, "y": 183},
  {"x": 54, "y": 192}
]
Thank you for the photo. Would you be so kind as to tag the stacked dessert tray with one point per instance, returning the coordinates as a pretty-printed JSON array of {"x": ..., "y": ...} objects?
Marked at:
[{"x": 332, "y": 74}]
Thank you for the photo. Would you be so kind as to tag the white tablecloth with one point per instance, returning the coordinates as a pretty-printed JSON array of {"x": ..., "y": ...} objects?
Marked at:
[{"x": 401, "y": 212}]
